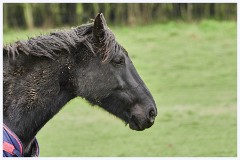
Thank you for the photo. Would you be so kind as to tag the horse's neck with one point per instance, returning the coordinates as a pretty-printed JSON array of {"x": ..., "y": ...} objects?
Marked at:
[{"x": 33, "y": 97}]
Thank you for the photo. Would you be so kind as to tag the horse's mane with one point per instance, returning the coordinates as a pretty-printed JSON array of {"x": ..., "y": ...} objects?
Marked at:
[{"x": 53, "y": 44}]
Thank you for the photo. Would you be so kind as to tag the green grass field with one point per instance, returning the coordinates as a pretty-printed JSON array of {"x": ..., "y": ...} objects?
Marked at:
[{"x": 191, "y": 70}]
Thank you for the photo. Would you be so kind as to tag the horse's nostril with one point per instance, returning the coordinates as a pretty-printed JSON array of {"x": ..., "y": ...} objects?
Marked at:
[{"x": 152, "y": 115}]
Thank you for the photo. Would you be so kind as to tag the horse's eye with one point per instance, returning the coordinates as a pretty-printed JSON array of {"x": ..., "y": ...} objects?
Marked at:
[{"x": 118, "y": 61}]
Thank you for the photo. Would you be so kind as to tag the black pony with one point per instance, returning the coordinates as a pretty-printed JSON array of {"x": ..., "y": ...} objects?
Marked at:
[{"x": 42, "y": 74}]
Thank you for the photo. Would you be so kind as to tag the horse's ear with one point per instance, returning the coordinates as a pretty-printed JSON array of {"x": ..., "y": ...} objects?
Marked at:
[{"x": 99, "y": 26}]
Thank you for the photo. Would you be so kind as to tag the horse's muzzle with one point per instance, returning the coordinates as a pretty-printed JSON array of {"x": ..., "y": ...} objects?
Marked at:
[{"x": 140, "y": 120}]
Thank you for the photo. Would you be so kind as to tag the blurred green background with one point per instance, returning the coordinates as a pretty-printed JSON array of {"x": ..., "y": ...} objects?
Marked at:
[{"x": 185, "y": 53}]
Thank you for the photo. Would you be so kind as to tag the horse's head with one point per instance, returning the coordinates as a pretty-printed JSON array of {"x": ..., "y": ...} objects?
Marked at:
[{"x": 109, "y": 79}]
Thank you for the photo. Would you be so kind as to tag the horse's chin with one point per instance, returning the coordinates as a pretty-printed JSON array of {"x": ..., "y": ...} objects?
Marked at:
[{"x": 135, "y": 126}]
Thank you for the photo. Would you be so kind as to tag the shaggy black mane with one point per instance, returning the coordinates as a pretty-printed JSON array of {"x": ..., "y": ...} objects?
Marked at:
[{"x": 56, "y": 43}]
